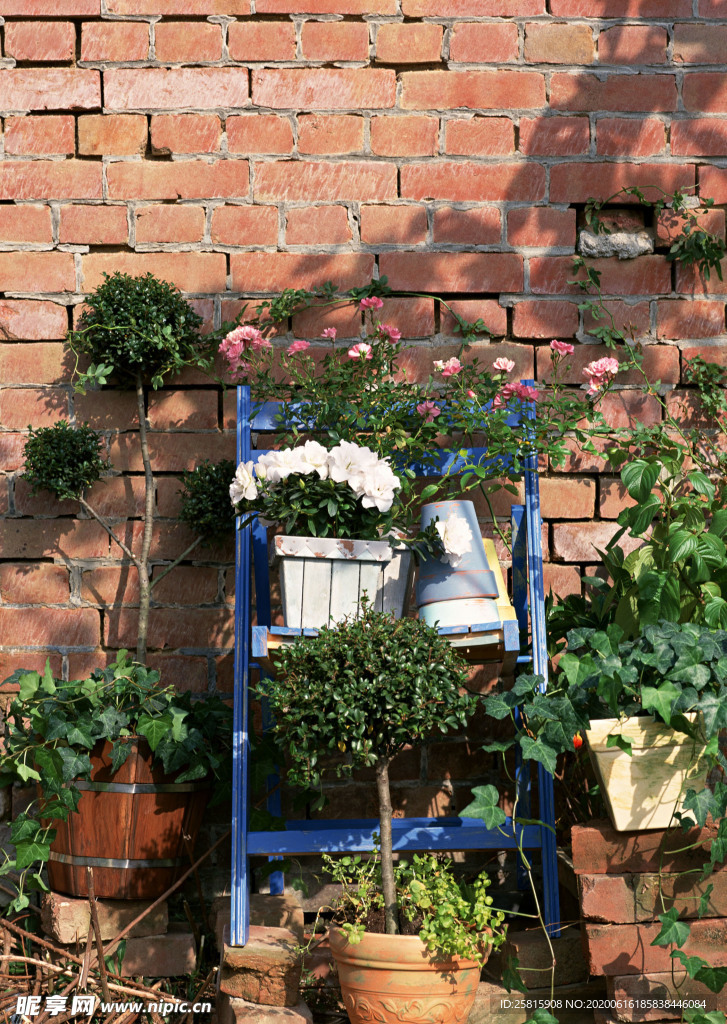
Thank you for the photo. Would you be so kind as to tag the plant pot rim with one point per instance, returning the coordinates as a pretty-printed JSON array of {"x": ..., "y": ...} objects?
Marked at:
[
  {"x": 298, "y": 546},
  {"x": 404, "y": 952},
  {"x": 644, "y": 732}
]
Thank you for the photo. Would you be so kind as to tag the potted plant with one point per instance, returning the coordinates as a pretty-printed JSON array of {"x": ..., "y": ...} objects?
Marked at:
[
  {"x": 124, "y": 768},
  {"x": 409, "y": 939},
  {"x": 138, "y": 331}
]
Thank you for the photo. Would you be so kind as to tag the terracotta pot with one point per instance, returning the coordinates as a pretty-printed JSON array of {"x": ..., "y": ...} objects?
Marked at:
[
  {"x": 129, "y": 827},
  {"x": 394, "y": 979}
]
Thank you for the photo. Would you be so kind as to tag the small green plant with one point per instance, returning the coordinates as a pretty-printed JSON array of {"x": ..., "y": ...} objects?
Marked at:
[
  {"x": 365, "y": 690},
  {"x": 205, "y": 500},
  {"x": 52, "y": 725}
]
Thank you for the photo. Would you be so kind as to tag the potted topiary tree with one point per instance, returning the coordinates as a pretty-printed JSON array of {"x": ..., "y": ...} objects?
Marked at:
[{"x": 354, "y": 697}]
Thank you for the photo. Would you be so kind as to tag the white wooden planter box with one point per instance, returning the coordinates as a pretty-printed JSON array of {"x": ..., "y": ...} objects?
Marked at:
[
  {"x": 322, "y": 580},
  {"x": 643, "y": 790}
]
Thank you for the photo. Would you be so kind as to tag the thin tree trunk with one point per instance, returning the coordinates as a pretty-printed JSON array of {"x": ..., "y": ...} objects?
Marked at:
[
  {"x": 144, "y": 587},
  {"x": 387, "y": 855}
]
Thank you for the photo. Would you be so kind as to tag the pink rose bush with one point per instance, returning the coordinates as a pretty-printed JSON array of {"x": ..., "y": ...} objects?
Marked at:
[{"x": 600, "y": 373}]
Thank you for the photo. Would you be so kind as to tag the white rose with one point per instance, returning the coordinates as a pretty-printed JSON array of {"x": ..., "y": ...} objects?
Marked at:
[
  {"x": 243, "y": 487},
  {"x": 456, "y": 538},
  {"x": 347, "y": 462},
  {"x": 277, "y": 465},
  {"x": 313, "y": 458},
  {"x": 378, "y": 486}
]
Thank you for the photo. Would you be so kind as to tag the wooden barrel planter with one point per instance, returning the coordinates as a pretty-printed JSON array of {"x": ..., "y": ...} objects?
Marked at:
[{"x": 129, "y": 827}]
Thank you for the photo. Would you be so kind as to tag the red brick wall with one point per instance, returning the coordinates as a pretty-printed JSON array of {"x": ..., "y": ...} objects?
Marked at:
[{"x": 449, "y": 144}]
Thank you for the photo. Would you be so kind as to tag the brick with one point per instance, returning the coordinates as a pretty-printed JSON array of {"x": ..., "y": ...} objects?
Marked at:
[
  {"x": 335, "y": 41},
  {"x": 480, "y": 136},
  {"x": 330, "y": 133},
  {"x": 701, "y": 136},
  {"x": 42, "y": 503},
  {"x": 183, "y": 42},
  {"x": 261, "y": 40},
  {"x": 25, "y": 224},
  {"x": 57, "y": 627},
  {"x": 541, "y": 226},
  {"x": 621, "y": 8},
  {"x": 50, "y": 179},
  {"x": 259, "y": 133},
  {"x": 632, "y": 44},
  {"x": 413, "y": 317},
  {"x": 561, "y": 579},
  {"x": 479, "y": 226},
  {"x": 169, "y": 540},
  {"x": 21, "y": 406},
  {"x": 473, "y": 8},
  {"x": 409, "y": 43},
  {"x": 40, "y": 41},
  {"x": 699, "y": 44},
  {"x": 326, "y": 7},
  {"x": 575, "y": 91},
  {"x": 554, "y": 136},
  {"x": 554, "y": 319},
  {"x": 328, "y": 225},
  {"x": 37, "y": 271},
  {"x": 171, "y": 453},
  {"x": 52, "y": 538},
  {"x": 620, "y": 136},
  {"x": 21, "y": 583},
  {"x": 26, "y": 320},
  {"x": 41, "y": 363},
  {"x": 185, "y": 133},
  {"x": 187, "y": 585},
  {"x": 114, "y": 41},
  {"x": 393, "y": 225},
  {"x": 567, "y": 499},
  {"x": 109, "y": 586},
  {"x": 558, "y": 44},
  {"x": 628, "y": 949},
  {"x": 453, "y": 272},
  {"x": 330, "y": 88},
  {"x": 183, "y": 410},
  {"x": 404, "y": 136},
  {"x": 271, "y": 272},
  {"x": 184, "y": 179},
  {"x": 107, "y": 134},
  {"x": 172, "y": 628},
  {"x": 495, "y": 318},
  {"x": 626, "y": 316},
  {"x": 364, "y": 181},
  {"x": 67, "y": 920},
  {"x": 576, "y": 182},
  {"x": 613, "y": 497},
  {"x": 622, "y": 409},
  {"x": 49, "y": 88},
  {"x": 581, "y": 542},
  {"x": 645, "y": 275},
  {"x": 169, "y": 89},
  {"x": 187, "y": 672},
  {"x": 705, "y": 92},
  {"x": 483, "y": 43},
  {"x": 185, "y": 7},
  {"x": 462, "y": 181},
  {"x": 713, "y": 183},
  {"x": 11, "y": 454},
  {"x": 245, "y": 225},
  {"x": 51, "y": 8},
  {"x": 190, "y": 271},
  {"x": 478, "y": 90},
  {"x": 692, "y": 282},
  {"x": 93, "y": 225},
  {"x": 310, "y": 323},
  {"x": 107, "y": 410},
  {"x": 711, "y": 8},
  {"x": 660, "y": 362},
  {"x": 533, "y": 951},
  {"x": 160, "y": 956},
  {"x": 231, "y": 1010},
  {"x": 681, "y": 318},
  {"x": 662, "y": 992},
  {"x": 170, "y": 223},
  {"x": 34, "y": 135}
]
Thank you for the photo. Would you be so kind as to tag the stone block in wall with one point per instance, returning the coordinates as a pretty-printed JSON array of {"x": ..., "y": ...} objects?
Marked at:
[
  {"x": 266, "y": 970},
  {"x": 659, "y": 989},
  {"x": 232, "y": 1010},
  {"x": 284, "y": 911},
  {"x": 617, "y": 949},
  {"x": 599, "y": 849},
  {"x": 66, "y": 919},
  {"x": 628, "y": 898},
  {"x": 532, "y": 950}
]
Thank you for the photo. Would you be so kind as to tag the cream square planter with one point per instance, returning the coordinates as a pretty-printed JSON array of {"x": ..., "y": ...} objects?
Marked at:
[
  {"x": 643, "y": 790},
  {"x": 322, "y": 580}
]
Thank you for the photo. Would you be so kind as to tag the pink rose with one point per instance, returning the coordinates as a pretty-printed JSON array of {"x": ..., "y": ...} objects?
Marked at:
[
  {"x": 298, "y": 346},
  {"x": 503, "y": 365},
  {"x": 449, "y": 368},
  {"x": 392, "y": 333},
  {"x": 600, "y": 373},
  {"x": 470, "y": 394},
  {"x": 524, "y": 392},
  {"x": 561, "y": 347},
  {"x": 360, "y": 351},
  {"x": 428, "y": 410},
  {"x": 330, "y": 332},
  {"x": 249, "y": 337},
  {"x": 372, "y": 302}
]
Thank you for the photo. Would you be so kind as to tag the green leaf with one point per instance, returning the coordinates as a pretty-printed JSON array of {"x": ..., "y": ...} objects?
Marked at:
[
  {"x": 543, "y": 1016},
  {"x": 537, "y": 750},
  {"x": 48, "y": 685},
  {"x": 682, "y": 544},
  {"x": 29, "y": 683},
  {"x": 511, "y": 975},
  {"x": 621, "y": 742},
  {"x": 154, "y": 729},
  {"x": 700, "y": 803},
  {"x": 485, "y": 806},
  {"x": 704, "y": 900},
  {"x": 660, "y": 699},
  {"x": 639, "y": 478},
  {"x": 673, "y": 931}
]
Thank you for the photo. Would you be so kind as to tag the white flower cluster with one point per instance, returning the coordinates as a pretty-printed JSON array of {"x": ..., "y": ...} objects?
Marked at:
[
  {"x": 456, "y": 538},
  {"x": 371, "y": 478}
]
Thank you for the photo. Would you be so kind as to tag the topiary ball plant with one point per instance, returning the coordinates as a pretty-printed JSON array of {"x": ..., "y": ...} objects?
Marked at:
[{"x": 366, "y": 689}]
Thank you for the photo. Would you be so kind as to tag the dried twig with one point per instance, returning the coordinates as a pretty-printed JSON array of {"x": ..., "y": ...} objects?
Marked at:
[
  {"x": 200, "y": 894},
  {"x": 97, "y": 933}
]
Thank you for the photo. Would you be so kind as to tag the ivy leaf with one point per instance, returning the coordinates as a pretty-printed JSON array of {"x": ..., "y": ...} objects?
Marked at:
[
  {"x": 660, "y": 699},
  {"x": 496, "y": 706},
  {"x": 673, "y": 931},
  {"x": 704, "y": 900},
  {"x": 511, "y": 975},
  {"x": 543, "y": 1016},
  {"x": 691, "y": 964},
  {"x": 28, "y": 852},
  {"x": 48, "y": 685},
  {"x": 154, "y": 729},
  {"x": 119, "y": 754},
  {"x": 80, "y": 735},
  {"x": 536, "y": 750},
  {"x": 485, "y": 806},
  {"x": 29, "y": 683},
  {"x": 700, "y": 803},
  {"x": 715, "y": 978}
]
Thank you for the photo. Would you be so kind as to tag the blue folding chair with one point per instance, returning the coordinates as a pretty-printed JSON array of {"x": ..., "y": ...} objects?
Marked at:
[{"x": 349, "y": 836}]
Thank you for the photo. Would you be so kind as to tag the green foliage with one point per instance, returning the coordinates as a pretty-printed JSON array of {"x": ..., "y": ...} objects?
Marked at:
[
  {"x": 138, "y": 326},
  {"x": 52, "y": 725},
  {"x": 365, "y": 689},
  {"x": 456, "y": 917},
  {"x": 205, "y": 500},
  {"x": 62, "y": 459}
]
